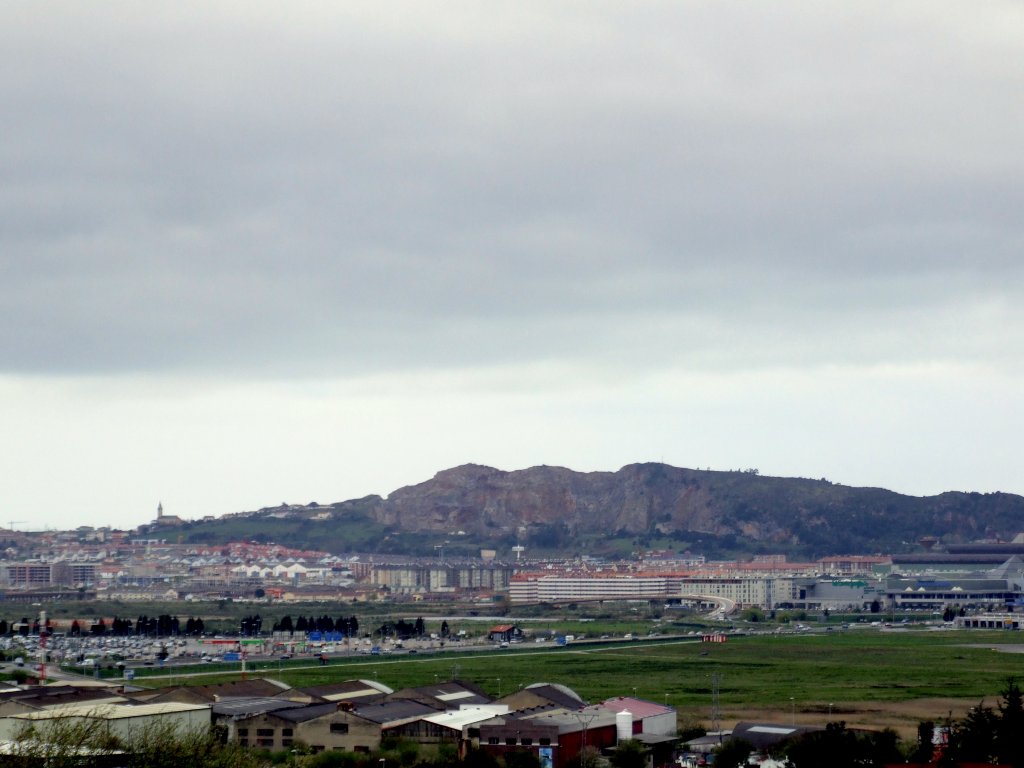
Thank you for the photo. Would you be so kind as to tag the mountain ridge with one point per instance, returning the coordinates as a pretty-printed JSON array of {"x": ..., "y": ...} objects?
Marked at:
[{"x": 553, "y": 508}]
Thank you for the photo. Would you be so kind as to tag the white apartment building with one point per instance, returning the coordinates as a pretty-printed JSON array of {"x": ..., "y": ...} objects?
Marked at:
[
  {"x": 745, "y": 591},
  {"x": 536, "y": 588},
  {"x": 764, "y": 591}
]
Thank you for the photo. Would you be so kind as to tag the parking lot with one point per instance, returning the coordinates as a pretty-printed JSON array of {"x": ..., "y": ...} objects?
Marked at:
[{"x": 84, "y": 654}]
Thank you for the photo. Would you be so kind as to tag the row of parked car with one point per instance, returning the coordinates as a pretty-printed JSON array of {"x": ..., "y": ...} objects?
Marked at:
[{"x": 88, "y": 651}]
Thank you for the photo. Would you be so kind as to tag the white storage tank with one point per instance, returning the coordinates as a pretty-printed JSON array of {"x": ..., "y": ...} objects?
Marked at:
[{"x": 623, "y": 725}]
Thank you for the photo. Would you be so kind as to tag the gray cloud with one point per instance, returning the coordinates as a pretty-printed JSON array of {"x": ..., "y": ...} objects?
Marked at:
[
  {"x": 255, "y": 252},
  {"x": 361, "y": 188}
]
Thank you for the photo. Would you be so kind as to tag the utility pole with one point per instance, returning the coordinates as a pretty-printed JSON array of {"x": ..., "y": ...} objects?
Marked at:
[
  {"x": 585, "y": 718},
  {"x": 716, "y": 707},
  {"x": 42, "y": 647}
]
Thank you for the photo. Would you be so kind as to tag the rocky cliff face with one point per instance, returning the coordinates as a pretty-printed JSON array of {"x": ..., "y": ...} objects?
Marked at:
[
  {"x": 810, "y": 515},
  {"x": 638, "y": 498}
]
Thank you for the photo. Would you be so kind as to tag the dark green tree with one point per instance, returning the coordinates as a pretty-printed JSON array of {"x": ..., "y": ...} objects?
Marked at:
[
  {"x": 60, "y": 743},
  {"x": 585, "y": 758},
  {"x": 1010, "y": 731},
  {"x": 629, "y": 754},
  {"x": 447, "y": 756},
  {"x": 521, "y": 758},
  {"x": 733, "y": 753},
  {"x": 838, "y": 747},
  {"x": 333, "y": 759},
  {"x": 924, "y": 748},
  {"x": 882, "y": 747},
  {"x": 973, "y": 739},
  {"x": 479, "y": 758}
]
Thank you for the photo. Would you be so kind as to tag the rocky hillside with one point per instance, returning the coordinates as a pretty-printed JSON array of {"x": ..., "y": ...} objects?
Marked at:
[
  {"x": 553, "y": 509},
  {"x": 657, "y": 500}
]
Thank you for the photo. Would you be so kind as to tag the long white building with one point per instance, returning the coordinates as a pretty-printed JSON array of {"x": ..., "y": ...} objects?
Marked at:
[
  {"x": 532, "y": 588},
  {"x": 743, "y": 589}
]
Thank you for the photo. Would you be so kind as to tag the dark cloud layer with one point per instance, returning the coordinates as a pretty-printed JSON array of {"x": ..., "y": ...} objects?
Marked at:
[
  {"x": 249, "y": 189},
  {"x": 256, "y": 252}
]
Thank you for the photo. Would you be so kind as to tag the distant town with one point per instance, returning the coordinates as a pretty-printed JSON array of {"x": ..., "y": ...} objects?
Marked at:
[
  {"x": 70, "y": 669},
  {"x": 104, "y": 564}
]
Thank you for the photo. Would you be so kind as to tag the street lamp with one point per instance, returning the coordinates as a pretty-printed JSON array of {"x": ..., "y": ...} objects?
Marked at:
[
  {"x": 792, "y": 704},
  {"x": 830, "y": 711}
]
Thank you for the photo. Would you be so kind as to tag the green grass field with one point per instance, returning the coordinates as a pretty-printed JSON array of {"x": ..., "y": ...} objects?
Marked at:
[{"x": 808, "y": 672}]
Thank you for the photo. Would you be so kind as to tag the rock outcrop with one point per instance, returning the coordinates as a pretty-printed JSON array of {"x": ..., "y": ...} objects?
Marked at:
[{"x": 816, "y": 515}]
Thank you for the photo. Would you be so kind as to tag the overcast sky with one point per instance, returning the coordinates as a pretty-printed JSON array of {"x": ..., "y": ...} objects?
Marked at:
[{"x": 254, "y": 253}]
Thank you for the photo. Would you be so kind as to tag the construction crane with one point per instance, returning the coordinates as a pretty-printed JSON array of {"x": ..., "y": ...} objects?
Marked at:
[{"x": 12, "y": 523}]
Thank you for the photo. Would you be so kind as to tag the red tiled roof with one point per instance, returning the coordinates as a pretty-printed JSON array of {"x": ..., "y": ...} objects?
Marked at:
[{"x": 636, "y": 707}]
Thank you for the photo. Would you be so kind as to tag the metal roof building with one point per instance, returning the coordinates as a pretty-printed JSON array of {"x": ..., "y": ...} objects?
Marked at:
[{"x": 119, "y": 719}]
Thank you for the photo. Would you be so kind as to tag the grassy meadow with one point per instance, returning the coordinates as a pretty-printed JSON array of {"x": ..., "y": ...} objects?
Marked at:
[{"x": 801, "y": 677}]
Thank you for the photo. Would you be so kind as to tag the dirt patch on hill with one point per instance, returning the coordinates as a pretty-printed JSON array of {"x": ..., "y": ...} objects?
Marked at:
[{"x": 902, "y": 716}]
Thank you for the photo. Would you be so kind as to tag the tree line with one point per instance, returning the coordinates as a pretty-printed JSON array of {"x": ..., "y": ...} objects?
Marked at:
[{"x": 346, "y": 626}]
